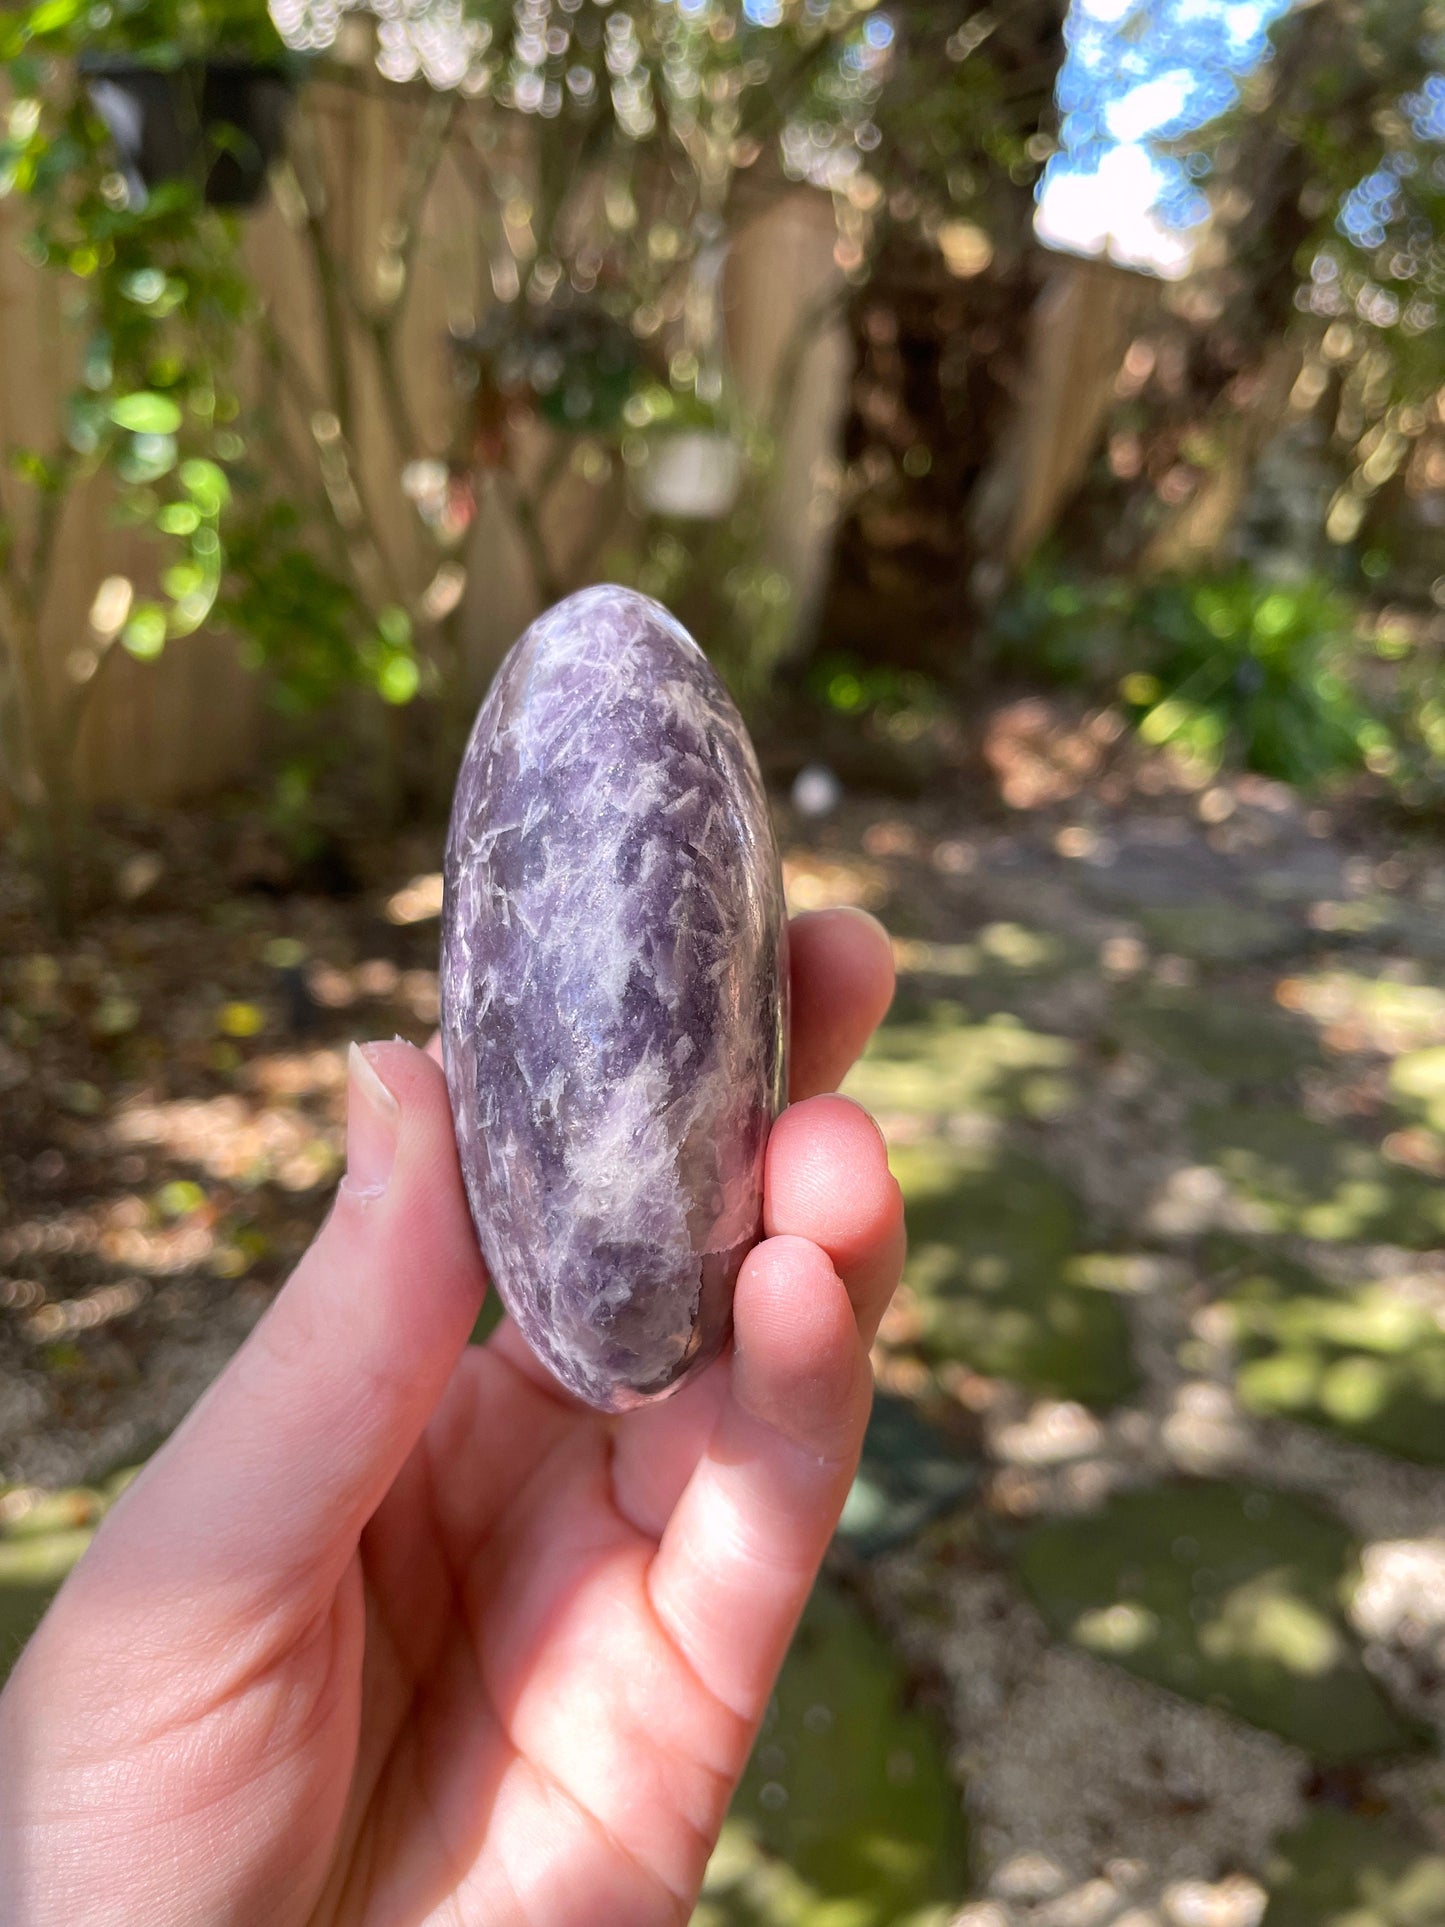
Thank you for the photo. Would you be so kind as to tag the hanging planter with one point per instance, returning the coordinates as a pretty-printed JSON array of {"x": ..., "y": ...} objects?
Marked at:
[
  {"x": 573, "y": 365},
  {"x": 695, "y": 474},
  {"x": 219, "y": 123},
  {"x": 694, "y": 464}
]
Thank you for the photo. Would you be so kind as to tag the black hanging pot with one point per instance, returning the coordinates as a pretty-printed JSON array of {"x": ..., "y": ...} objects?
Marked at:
[
  {"x": 573, "y": 362},
  {"x": 219, "y": 123}
]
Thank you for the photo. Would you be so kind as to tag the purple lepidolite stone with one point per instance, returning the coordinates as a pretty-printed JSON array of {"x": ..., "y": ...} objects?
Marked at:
[{"x": 614, "y": 994}]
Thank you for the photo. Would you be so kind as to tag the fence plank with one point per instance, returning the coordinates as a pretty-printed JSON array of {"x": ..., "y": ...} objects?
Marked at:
[{"x": 196, "y": 719}]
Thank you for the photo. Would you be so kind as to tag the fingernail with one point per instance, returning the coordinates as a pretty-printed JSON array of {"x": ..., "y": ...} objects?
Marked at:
[
  {"x": 867, "y": 916},
  {"x": 372, "y": 1115},
  {"x": 868, "y": 1117}
]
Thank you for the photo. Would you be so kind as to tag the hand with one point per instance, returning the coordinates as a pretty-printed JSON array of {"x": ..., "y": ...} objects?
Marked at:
[{"x": 392, "y": 1630}]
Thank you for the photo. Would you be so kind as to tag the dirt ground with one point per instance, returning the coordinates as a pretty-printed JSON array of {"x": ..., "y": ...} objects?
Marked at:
[{"x": 1138, "y": 1614}]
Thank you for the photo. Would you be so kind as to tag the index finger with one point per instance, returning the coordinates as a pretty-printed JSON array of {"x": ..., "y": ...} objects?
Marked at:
[{"x": 842, "y": 984}]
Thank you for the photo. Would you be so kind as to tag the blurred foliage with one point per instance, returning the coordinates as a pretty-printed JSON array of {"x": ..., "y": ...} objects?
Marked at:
[
  {"x": 153, "y": 33},
  {"x": 608, "y": 154},
  {"x": 1224, "y": 666},
  {"x": 614, "y": 156},
  {"x": 156, "y": 295},
  {"x": 1307, "y": 326},
  {"x": 1357, "y": 94},
  {"x": 159, "y": 289},
  {"x": 611, "y": 155},
  {"x": 906, "y": 117},
  {"x": 298, "y": 618},
  {"x": 1279, "y": 399},
  {"x": 900, "y": 702},
  {"x": 947, "y": 270},
  {"x": 718, "y": 584},
  {"x": 1417, "y": 1081},
  {"x": 1405, "y": 675}
]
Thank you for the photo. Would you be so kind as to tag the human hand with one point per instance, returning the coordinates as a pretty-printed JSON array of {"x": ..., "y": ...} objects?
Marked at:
[{"x": 392, "y": 1630}]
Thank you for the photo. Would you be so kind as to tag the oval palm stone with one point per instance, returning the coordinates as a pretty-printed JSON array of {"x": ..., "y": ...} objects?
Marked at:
[{"x": 613, "y": 993}]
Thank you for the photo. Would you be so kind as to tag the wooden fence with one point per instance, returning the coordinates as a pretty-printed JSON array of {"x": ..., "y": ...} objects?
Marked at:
[{"x": 196, "y": 719}]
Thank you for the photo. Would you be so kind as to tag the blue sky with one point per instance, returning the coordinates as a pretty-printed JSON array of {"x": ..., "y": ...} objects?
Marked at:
[{"x": 1139, "y": 72}]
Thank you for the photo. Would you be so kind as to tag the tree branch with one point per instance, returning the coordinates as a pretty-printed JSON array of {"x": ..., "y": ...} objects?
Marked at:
[
  {"x": 424, "y": 158},
  {"x": 529, "y": 527}
]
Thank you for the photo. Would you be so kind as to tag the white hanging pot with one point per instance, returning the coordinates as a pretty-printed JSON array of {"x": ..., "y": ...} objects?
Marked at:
[{"x": 693, "y": 473}]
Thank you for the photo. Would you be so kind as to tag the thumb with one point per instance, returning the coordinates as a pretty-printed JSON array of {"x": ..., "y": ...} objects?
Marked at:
[{"x": 262, "y": 1493}]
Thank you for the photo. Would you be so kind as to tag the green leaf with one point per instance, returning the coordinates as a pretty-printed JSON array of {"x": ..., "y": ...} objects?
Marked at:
[
  {"x": 146, "y": 413},
  {"x": 398, "y": 679},
  {"x": 191, "y": 611},
  {"x": 181, "y": 579},
  {"x": 145, "y": 634},
  {"x": 206, "y": 485},
  {"x": 147, "y": 458},
  {"x": 179, "y": 518},
  {"x": 24, "y": 76},
  {"x": 33, "y": 467},
  {"x": 53, "y": 16},
  {"x": 395, "y": 626}
]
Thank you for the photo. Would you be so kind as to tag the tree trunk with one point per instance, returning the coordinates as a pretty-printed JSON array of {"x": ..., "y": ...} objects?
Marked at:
[{"x": 940, "y": 340}]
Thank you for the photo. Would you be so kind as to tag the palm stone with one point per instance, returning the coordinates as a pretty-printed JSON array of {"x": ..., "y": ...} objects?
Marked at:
[{"x": 614, "y": 994}]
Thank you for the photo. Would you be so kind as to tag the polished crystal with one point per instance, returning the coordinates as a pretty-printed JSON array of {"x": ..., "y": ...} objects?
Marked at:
[{"x": 614, "y": 994}]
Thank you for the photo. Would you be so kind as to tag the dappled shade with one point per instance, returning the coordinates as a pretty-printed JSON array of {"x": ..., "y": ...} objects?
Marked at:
[
  {"x": 846, "y": 1809},
  {"x": 1344, "y": 1870},
  {"x": 1228, "y": 1594},
  {"x": 1364, "y": 1360},
  {"x": 1302, "y": 1175},
  {"x": 992, "y": 1263},
  {"x": 1037, "y": 413}
]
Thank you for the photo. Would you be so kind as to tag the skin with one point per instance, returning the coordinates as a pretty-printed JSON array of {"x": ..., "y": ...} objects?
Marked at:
[{"x": 392, "y": 1630}]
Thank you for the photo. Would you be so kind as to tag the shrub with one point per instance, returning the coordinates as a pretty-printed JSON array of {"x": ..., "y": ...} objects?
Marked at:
[{"x": 1227, "y": 667}]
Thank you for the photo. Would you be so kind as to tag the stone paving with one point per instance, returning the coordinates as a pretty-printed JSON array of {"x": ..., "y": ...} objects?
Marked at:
[{"x": 1166, "y": 1087}]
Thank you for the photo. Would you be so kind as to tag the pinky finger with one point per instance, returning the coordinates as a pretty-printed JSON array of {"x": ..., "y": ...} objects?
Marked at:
[{"x": 740, "y": 1552}]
